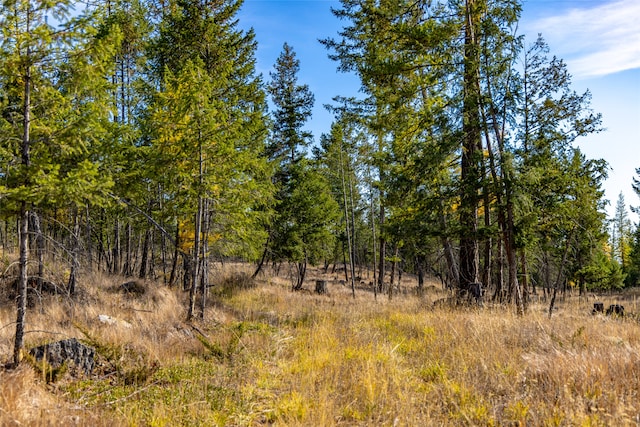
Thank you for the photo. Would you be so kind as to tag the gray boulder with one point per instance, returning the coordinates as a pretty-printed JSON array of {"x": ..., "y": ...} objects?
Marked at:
[{"x": 72, "y": 350}]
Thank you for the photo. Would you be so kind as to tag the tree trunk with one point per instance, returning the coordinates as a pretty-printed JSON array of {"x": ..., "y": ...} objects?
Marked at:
[
  {"x": 394, "y": 265},
  {"x": 301, "y": 268},
  {"x": 101, "y": 246},
  {"x": 127, "y": 270},
  {"x": 40, "y": 248},
  {"x": 195, "y": 262},
  {"x": 352, "y": 244},
  {"x": 560, "y": 269},
  {"x": 204, "y": 271},
  {"x": 24, "y": 211},
  {"x": 22, "y": 283},
  {"x": 115, "y": 258},
  {"x": 449, "y": 255},
  {"x": 263, "y": 258},
  {"x": 75, "y": 265},
  {"x": 176, "y": 253},
  {"x": 512, "y": 262},
  {"x": 347, "y": 228},
  {"x": 420, "y": 272},
  {"x": 144, "y": 260},
  {"x": 88, "y": 240},
  {"x": 499, "y": 292},
  {"x": 382, "y": 250},
  {"x": 488, "y": 256},
  {"x": 525, "y": 280},
  {"x": 470, "y": 173},
  {"x": 344, "y": 263}
]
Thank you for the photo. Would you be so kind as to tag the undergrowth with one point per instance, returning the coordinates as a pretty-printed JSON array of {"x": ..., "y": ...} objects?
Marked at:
[{"x": 266, "y": 355}]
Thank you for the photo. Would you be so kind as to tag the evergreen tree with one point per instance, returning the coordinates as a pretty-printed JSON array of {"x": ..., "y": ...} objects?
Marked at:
[
  {"x": 553, "y": 177},
  {"x": 293, "y": 104},
  {"x": 633, "y": 276},
  {"x": 392, "y": 48},
  {"x": 622, "y": 230},
  {"x": 54, "y": 120},
  {"x": 338, "y": 158},
  {"x": 297, "y": 231},
  {"x": 205, "y": 122}
]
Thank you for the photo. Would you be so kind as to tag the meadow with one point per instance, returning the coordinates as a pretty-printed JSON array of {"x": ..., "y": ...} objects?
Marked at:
[{"x": 266, "y": 355}]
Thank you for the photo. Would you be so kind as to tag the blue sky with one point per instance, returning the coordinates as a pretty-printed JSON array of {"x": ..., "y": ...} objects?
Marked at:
[{"x": 598, "y": 39}]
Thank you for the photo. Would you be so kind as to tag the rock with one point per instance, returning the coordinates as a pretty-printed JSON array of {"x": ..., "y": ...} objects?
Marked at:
[
  {"x": 133, "y": 287},
  {"x": 70, "y": 350},
  {"x": 113, "y": 321}
]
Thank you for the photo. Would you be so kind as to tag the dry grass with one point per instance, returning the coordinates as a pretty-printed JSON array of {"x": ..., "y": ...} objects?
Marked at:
[{"x": 264, "y": 354}]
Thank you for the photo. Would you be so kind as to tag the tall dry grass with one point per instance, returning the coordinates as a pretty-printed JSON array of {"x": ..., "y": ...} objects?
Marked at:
[{"x": 264, "y": 354}]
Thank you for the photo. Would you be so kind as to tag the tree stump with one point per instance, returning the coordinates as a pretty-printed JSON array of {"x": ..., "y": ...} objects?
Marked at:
[
  {"x": 615, "y": 310},
  {"x": 598, "y": 307},
  {"x": 321, "y": 287}
]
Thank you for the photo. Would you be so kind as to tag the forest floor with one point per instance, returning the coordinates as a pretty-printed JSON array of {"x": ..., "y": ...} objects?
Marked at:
[{"x": 266, "y": 355}]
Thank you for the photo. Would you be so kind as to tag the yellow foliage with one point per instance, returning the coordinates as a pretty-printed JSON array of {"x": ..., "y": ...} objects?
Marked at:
[{"x": 186, "y": 235}]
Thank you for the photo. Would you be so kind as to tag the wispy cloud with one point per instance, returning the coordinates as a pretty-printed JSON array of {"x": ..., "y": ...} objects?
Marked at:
[{"x": 595, "y": 41}]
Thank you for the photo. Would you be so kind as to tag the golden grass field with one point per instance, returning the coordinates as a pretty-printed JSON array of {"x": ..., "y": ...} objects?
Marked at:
[{"x": 266, "y": 355}]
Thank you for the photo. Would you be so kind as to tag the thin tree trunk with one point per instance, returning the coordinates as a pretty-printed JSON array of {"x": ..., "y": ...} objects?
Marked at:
[
  {"x": 116, "y": 248},
  {"x": 22, "y": 283},
  {"x": 127, "y": 270},
  {"x": 24, "y": 211},
  {"x": 263, "y": 258},
  {"x": 394, "y": 266},
  {"x": 347, "y": 230},
  {"x": 195, "y": 263},
  {"x": 204, "y": 272},
  {"x": 151, "y": 271},
  {"x": 525, "y": 279},
  {"x": 176, "y": 252},
  {"x": 373, "y": 235},
  {"x": 420, "y": 272},
  {"x": 353, "y": 237},
  {"x": 344, "y": 263},
  {"x": 512, "y": 261},
  {"x": 145, "y": 255},
  {"x": 382, "y": 248},
  {"x": 75, "y": 265},
  {"x": 560, "y": 269},
  {"x": 101, "y": 247},
  {"x": 88, "y": 240},
  {"x": 302, "y": 272},
  {"x": 499, "y": 292},
  {"x": 37, "y": 228},
  {"x": 449, "y": 255}
]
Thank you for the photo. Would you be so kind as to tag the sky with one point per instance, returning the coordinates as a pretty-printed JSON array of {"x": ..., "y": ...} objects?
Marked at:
[{"x": 598, "y": 39}]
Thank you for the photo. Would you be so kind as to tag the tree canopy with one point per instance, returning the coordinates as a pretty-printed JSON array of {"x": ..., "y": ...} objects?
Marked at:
[{"x": 137, "y": 138}]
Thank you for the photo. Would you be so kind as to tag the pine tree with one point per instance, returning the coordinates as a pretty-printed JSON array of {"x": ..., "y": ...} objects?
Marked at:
[
  {"x": 293, "y": 174},
  {"x": 293, "y": 104},
  {"x": 622, "y": 230},
  {"x": 633, "y": 276},
  {"x": 206, "y": 125},
  {"x": 54, "y": 118}
]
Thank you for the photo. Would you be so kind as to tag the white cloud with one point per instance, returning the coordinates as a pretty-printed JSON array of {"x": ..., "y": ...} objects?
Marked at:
[{"x": 595, "y": 41}]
